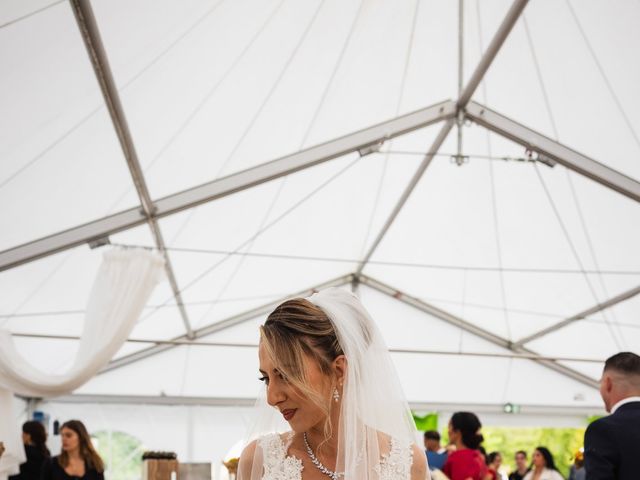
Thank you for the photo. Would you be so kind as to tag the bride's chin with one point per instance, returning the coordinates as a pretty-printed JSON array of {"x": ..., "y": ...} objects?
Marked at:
[{"x": 299, "y": 427}]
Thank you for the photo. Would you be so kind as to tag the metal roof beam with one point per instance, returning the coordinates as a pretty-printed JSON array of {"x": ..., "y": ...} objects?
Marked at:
[
  {"x": 481, "y": 69},
  {"x": 437, "y": 143},
  {"x": 498, "y": 408},
  {"x": 476, "y": 330},
  {"x": 510, "y": 19},
  {"x": 235, "y": 345},
  {"x": 93, "y": 42},
  {"x": 228, "y": 185},
  {"x": 553, "y": 150},
  {"x": 219, "y": 326},
  {"x": 579, "y": 316}
]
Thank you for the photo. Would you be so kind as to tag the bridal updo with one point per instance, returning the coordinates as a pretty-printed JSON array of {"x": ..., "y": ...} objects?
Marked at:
[{"x": 297, "y": 329}]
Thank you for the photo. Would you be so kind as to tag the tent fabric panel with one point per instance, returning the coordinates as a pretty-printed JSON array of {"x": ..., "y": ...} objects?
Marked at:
[
  {"x": 570, "y": 75},
  {"x": 49, "y": 150}
]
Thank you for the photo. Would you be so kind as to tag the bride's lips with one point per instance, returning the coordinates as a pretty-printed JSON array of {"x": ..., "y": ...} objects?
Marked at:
[{"x": 289, "y": 413}]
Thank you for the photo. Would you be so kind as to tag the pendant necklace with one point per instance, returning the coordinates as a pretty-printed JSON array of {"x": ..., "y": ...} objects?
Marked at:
[{"x": 318, "y": 464}]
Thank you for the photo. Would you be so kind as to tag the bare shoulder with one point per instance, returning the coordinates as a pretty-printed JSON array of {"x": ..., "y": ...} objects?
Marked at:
[
  {"x": 419, "y": 465},
  {"x": 246, "y": 460}
]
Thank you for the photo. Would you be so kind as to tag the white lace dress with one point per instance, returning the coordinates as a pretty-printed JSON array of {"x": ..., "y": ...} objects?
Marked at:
[{"x": 395, "y": 465}]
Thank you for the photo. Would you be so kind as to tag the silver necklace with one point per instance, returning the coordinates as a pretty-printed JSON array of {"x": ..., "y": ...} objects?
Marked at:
[{"x": 318, "y": 464}]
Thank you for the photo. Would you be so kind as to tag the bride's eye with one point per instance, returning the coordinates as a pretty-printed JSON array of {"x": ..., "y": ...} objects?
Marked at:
[{"x": 264, "y": 379}]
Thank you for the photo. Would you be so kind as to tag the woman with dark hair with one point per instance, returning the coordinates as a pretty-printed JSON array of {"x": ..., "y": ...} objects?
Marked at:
[
  {"x": 494, "y": 460},
  {"x": 544, "y": 468},
  {"x": 34, "y": 438},
  {"x": 466, "y": 462},
  {"x": 78, "y": 459}
]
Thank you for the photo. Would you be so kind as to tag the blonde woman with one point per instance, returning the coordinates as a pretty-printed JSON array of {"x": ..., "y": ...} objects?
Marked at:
[
  {"x": 78, "y": 459},
  {"x": 329, "y": 379}
]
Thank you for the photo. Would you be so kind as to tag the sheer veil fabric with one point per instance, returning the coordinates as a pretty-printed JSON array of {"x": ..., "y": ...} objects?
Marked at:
[
  {"x": 374, "y": 413},
  {"x": 120, "y": 291}
]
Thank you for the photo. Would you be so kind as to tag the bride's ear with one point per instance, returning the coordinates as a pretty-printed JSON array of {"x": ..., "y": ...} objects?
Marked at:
[{"x": 340, "y": 368}]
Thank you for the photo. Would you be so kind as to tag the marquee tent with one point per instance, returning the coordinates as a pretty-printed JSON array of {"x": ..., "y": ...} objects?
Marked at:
[{"x": 472, "y": 173}]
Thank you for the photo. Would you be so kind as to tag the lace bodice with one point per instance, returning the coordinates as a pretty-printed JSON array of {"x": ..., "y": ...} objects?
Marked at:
[
  {"x": 395, "y": 465},
  {"x": 277, "y": 464}
]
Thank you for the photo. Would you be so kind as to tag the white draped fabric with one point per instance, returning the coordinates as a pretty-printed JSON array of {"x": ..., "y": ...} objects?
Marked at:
[{"x": 120, "y": 291}]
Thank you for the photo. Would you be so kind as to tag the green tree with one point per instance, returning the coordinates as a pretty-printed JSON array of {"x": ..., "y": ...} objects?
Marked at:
[
  {"x": 427, "y": 422},
  {"x": 562, "y": 442},
  {"x": 121, "y": 453}
]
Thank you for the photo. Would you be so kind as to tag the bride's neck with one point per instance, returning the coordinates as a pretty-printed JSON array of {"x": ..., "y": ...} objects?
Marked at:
[{"x": 316, "y": 437}]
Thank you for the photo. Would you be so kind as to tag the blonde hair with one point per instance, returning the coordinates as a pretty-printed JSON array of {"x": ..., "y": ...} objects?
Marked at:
[{"x": 297, "y": 329}]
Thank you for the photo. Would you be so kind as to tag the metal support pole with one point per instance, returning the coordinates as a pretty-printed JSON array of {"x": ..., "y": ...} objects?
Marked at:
[
  {"x": 494, "y": 47},
  {"x": 437, "y": 143},
  {"x": 460, "y": 115},
  {"x": 498, "y": 39},
  {"x": 93, "y": 42}
]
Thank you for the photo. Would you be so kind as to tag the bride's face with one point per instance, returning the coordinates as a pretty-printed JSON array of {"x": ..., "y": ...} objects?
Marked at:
[{"x": 301, "y": 412}]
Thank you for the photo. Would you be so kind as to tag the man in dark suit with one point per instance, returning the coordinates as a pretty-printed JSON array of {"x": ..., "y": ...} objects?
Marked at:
[{"x": 612, "y": 444}]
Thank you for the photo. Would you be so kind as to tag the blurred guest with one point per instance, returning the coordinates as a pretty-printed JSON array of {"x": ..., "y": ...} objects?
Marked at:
[
  {"x": 521, "y": 466},
  {"x": 34, "y": 437},
  {"x": 494, "y": 460},
  {"x": 544, "y": 468},
  {"x": 612, "y": 444},
  {"x": 482, "y": 450},
  {"x": 436, "y": 455},
  {"x": 466, "y": 462},
  {"x": 577, "y": 471},
  {"x": 78, "y": 459}
]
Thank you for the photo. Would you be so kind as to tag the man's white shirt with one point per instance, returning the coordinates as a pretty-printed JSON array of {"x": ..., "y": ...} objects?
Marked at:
[{"x": 623, "y": 402}]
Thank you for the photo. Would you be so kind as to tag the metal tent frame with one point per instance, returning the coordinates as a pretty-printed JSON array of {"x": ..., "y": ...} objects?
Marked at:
[{"x": 447, "y": 113}]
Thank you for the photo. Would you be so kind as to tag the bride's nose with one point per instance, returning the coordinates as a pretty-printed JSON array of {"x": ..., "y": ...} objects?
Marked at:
[{"x": 275, "y": 394}]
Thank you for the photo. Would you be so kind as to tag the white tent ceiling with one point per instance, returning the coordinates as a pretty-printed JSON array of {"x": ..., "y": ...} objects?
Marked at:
[{"x": 481, "y": 255}]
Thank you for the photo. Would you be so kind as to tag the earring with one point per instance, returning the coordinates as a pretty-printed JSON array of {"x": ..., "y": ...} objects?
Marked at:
[{"x": 336, "y": 395}]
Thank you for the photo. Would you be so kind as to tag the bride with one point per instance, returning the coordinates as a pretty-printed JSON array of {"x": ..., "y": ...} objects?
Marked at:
[{"x": 329, "y": 376}]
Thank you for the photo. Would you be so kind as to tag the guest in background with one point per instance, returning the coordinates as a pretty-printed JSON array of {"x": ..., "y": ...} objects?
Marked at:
[
  {"x": 577, "y": 471},
  {"x": 436, "y": 455},
  {"x": 78, "y": 459},
  {"x": 521, "y": 466},
  {"x": 466, "y": 462},
  {"x": 34, "y": 437},
  {"x": 544, "y": 468},
  {"x": 482, "y": 450},
  {"x": 612, "y": 444},
  {"x": 494, "y": 460}
]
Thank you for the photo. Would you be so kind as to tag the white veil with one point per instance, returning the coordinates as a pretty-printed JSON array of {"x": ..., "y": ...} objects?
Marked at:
[{"x": 373, "y": 407}]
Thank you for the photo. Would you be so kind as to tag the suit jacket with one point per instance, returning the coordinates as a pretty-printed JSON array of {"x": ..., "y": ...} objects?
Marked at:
[{"x": 612, "y": 445}]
